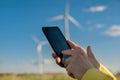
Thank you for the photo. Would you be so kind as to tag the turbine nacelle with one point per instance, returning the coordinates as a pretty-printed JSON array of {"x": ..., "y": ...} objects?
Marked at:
[
  {"x": 66, "y": 17},
  {"x": 39, "y": 43}
]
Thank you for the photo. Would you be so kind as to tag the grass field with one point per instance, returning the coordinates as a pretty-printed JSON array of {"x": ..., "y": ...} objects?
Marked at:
[{"x": 59, "y": 76}]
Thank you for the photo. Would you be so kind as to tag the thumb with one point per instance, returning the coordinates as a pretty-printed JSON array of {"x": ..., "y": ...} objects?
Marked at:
[
  {"x": 72, "y": 44},
  {"x": 89, "y": 52}
]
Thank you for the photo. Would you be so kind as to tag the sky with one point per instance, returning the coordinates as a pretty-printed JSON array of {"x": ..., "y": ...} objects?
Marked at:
[{"x": 22, "y": 19}]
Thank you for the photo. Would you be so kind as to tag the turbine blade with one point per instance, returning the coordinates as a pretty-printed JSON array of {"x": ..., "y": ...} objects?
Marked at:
[
  {"x": 35, "y": 39},
  {"x": 74, "y": 22},
  {"x": 39, "y": 48},
  {"x": 67, "y": 7},
  {"x": 43, "y": 42},
  {"x": 56, "y": 18}
]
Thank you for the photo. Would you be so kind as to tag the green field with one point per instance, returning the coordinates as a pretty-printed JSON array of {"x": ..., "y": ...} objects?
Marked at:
[{"x": 59, "y": 76}]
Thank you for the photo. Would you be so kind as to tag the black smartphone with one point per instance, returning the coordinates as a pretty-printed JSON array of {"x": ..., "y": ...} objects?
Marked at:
[{"x": 57, "y": 41}]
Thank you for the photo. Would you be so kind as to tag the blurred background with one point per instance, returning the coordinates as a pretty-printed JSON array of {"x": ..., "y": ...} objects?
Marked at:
[{"x": 24, "y": 51}]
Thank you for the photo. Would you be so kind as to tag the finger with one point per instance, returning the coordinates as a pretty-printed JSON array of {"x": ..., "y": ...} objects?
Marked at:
[
  {"x": 71, "y": 75},
  {"x": 67, "y": 61},
  {"x": 58, "y": 60},
  {"x": 81, "y": 50},
  {"x": 69, "y": 71},
  {"x": 54, "y": 55},
  {"x": 72, "y": 44},
  {"x": 75, "y": 46},
  {"x": 67, "y": 52},
  {"x": 89, "y": 52}
]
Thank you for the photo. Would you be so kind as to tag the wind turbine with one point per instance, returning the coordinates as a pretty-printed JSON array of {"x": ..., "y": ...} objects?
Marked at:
[
  {"x": 66, "y": 17},
  {"x": 40, "y": 44}
]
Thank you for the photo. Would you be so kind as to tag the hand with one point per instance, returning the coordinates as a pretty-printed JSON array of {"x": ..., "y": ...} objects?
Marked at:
[
  {"x": 80, "y": 61},
  {"x": 58, "y": 60}
]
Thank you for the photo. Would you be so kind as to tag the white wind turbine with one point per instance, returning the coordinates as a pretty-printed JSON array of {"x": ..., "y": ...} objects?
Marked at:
[
  {"x": 66, "y": 18},
  {"x": 40, "y": 44}
]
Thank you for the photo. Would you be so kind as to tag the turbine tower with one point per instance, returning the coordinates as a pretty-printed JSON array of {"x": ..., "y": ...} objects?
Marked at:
[
  {"x": 40, "y": 44},
  {"x": 66, "y": 17}
]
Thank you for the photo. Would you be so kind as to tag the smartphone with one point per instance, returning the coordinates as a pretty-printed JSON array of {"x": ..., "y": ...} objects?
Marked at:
[{"x": 57, "y": 41}]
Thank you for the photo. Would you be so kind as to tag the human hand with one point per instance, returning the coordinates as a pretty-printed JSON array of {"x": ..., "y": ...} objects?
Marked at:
[
  {"x": 80, "y": 61},
  {"x": 58, "y": 59}
]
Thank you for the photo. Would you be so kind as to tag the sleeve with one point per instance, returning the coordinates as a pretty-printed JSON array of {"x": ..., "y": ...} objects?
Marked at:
[
  {"x": 106, "y": 71},
  {"x": 101, "y": 74}
]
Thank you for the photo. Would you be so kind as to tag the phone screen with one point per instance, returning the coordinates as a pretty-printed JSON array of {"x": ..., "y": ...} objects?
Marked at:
[{"x": 56, "y": 40}]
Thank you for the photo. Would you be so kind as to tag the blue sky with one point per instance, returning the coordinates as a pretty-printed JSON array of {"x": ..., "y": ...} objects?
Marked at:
[{"x": 20, "y": 19}]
